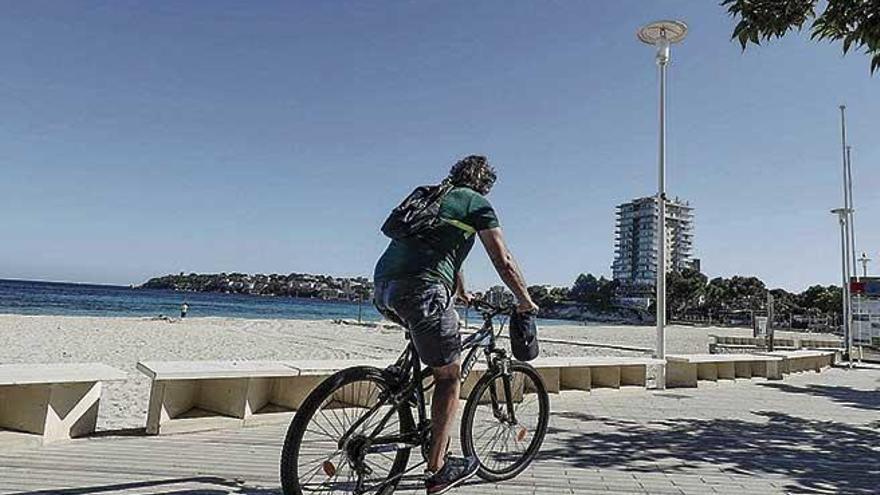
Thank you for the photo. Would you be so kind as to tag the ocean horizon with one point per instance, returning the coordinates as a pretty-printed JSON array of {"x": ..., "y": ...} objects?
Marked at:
[
  {"x": 32, "y": 297},
  {"x": 43, "y": 298}
]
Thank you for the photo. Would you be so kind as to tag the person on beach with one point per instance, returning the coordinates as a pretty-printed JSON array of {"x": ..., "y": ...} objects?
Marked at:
[
  {"x": 416, "y": 281},
  {"x": 183, "y": 309}
]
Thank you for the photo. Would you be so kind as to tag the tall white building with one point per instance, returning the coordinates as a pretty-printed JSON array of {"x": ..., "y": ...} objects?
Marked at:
[{"x": 635, "y": 254}]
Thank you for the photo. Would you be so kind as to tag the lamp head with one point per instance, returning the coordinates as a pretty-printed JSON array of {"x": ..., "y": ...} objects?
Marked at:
[
  {"x": 663, "y": 31},
  {"x": 662, "y": 34}
]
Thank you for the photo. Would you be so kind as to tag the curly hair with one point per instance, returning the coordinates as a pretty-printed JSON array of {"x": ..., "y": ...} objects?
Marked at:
[{"x": 474, "y": 172}]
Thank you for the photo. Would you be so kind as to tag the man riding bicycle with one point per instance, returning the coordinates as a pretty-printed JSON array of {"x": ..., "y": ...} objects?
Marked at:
[{"x": 416, "y": 279}]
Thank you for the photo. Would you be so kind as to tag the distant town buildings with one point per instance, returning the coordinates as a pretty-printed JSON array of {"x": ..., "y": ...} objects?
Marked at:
[
  {"x": 293, "y": 284},
  {"x": 498, "y": 295},
  {"x": 637, "y": 231}
]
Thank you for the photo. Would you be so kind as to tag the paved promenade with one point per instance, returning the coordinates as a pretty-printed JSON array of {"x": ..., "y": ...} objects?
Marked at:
[{"x": 811, "y": 433}]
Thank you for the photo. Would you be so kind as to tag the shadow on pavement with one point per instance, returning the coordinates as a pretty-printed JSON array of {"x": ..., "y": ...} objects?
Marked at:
[
  {"x": 845, "y": 396},
  {"x": 123, "y": 432},
  {"x": 165, "y": 487},
  {"x": 818, "y": 456}
]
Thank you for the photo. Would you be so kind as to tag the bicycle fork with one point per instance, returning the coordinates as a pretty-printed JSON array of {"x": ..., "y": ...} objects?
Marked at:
[{"x": 508, "y": 413}]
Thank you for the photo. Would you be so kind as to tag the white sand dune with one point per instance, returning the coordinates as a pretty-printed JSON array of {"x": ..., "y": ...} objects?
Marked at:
[{"x": 122, "y": 342}]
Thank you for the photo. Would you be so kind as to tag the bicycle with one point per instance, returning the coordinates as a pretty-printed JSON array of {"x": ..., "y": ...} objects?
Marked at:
[{"x": 354, "y": 433}]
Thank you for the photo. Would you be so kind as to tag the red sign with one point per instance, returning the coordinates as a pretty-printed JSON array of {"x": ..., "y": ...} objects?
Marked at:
[{"x": 869, "y": 286}]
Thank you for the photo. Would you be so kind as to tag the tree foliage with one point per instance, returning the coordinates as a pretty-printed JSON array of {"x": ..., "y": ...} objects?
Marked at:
[
  {"x": 585, "y": 286},
  {"x": 685, "y": 290},
  {"x": 854, "y": 23},
  {"x": 822, "y": 299},
  {"x": 690, "y": 293},
  {"x": 546, "y": 296},
  {"x": 596, "y": 293}
]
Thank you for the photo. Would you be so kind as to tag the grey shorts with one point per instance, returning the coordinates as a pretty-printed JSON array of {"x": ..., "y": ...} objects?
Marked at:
[{"x": 426, "y": 309}]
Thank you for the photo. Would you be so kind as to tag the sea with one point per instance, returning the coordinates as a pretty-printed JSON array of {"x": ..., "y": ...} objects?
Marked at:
[{"x": 26, "y": 297}]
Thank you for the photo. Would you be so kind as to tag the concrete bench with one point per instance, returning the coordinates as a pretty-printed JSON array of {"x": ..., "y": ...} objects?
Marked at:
[
  {"x": 715, "y": 348},
  {"x": 579, "y": 373},
  {"x": 588, "y": 372},
  {"x": 803, "y": 360},
  {"x": 202, "y": 395},
  {"x": 721, "y": 344},
  {"x": 819, "y": 344},
  {"x": 684, "y": 370},
  {"x": 43, "y": 403}
]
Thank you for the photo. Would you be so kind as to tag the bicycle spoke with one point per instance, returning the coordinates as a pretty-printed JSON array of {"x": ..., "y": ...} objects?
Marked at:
[
  {"x": 493, "y": 455},
  {"x": 490, "y": 443},
  {"x": 323, "y": 432},
  {"x": 341, "y": 429},
  {"x": 485, "y": 432},
  {"x": 316, "y": 470},
  {"x": 493, "y": 444},
  {"x": 322, "y": 459},
  {"x": 330, "y": 423}
]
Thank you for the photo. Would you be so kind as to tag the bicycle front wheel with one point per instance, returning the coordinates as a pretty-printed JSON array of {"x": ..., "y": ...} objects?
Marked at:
[
  {"x": 328, "y": 445},
  {"x": 505, "y": 420}
]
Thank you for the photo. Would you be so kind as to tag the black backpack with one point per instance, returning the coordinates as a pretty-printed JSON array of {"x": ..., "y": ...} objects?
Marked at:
[{"x": 419, "y": 212}]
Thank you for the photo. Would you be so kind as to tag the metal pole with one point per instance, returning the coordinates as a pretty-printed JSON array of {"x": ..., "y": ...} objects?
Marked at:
[
  {"x": 845, "y": 308},
  {"x": 852, "y": 212},
  {"x": 661, "y": 34},
  {"x": 662, "y": 59},
  {"x": 769, "y": 339},
  {"x": 843, "y": 151},
  {"x": 851, "y": 231},
  {"x": 864, "y": 261},
  {"x": 846, "y": 247},
  {"x": 849, "y": 309}
]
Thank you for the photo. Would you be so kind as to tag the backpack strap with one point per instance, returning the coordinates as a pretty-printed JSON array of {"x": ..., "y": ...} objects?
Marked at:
[{"x": 469, "y": 231}]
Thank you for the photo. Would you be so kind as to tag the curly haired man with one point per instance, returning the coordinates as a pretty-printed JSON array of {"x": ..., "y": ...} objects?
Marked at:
[{"x": 417, "y": 280}]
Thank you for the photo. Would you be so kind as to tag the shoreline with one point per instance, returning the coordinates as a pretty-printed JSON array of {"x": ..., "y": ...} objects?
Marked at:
[{"x": 175, "y": 317}]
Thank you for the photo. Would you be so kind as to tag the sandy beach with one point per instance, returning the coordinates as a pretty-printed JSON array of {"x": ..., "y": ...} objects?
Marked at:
[{"x": 122, "y": 342}]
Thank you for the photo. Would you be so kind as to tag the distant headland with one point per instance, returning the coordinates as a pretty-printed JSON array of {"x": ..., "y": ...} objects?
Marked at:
[{"x": 291, "y": 285}]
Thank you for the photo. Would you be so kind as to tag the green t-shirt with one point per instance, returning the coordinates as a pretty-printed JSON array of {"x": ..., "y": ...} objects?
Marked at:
[{"x": 438, "y": 255}]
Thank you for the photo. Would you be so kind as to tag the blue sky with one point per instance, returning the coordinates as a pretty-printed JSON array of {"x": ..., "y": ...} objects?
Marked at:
[{"x": 143, "y": 138}]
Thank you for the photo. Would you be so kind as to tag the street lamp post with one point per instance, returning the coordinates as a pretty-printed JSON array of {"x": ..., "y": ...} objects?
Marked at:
[
  {"x": 662, "y": 34},
  {"x": 851, "y": 206},
  {"x": 849, "y": 240},
  {"x": 864, "y": 260},
  {"x": 843, "y": 215}
]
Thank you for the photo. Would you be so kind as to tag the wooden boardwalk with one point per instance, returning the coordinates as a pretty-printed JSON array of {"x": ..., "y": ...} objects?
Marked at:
[{"x": 812, "y": 433}]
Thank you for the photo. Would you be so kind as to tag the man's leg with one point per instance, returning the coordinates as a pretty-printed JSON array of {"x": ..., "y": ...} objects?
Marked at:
[{"x": 444, "y": 404}]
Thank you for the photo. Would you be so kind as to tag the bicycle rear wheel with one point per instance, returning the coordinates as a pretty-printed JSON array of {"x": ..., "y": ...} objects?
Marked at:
[
  {"x": 315, "y": 459},
  {"x": 505, "y": 445}
]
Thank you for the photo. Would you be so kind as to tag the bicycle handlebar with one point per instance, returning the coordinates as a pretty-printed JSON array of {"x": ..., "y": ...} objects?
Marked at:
[
  {"x": 497, "y": 310},
  {"x": 493, "y": 310}
]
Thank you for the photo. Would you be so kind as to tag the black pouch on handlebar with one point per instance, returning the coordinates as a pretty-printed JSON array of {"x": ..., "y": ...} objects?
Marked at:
[{"x": 524, "y": 335}]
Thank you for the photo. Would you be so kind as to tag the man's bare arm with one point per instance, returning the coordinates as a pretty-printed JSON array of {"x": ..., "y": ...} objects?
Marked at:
[
  {"x": 460, "y": 291},
  {"x": 506, "y": 266}
]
